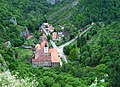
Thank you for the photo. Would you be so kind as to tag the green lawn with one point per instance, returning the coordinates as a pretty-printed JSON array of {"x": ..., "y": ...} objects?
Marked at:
[
  {"x": 23, "y": 52},
  {"x": 29, "y": 41}
]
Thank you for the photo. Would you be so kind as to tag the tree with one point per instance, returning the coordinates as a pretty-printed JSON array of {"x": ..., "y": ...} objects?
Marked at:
[
  {"x": 78, "y": 41},
  {"x": 38, "y": 34},
  {"x": 66, "y": 50},
  {"x": 56, "y": 85},
  {"x": 73, "y": 55},
  {"x": 49, "y": 37},
  {"x": 48, "y": 81}
]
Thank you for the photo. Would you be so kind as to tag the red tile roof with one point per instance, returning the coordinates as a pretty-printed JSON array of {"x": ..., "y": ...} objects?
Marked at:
[
  {"x": 37, "y": 46},
  {"x": 43, "y": 43},
  {"x": 51, "y": 56},
  {"x": 51, "y": 27},
  {"x": 54, "y": 35},
  {"x": 40, "y": 57},
  {"x": 27, "y": 36},
  {"x": 54, "y": 55}
]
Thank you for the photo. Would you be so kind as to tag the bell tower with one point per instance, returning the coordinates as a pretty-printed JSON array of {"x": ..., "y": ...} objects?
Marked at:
[{"x": 46, "y": 48}]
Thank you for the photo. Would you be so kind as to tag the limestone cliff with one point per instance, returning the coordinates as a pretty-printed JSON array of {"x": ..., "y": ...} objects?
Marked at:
[{"x": 53, "y": 1}]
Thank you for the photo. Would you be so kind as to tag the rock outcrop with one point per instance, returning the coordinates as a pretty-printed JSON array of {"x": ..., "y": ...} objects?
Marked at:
[
  {"x": 13, "y": 20},
  {"x": 25, "y": 33},
  {"x": 53, "y": 1}
]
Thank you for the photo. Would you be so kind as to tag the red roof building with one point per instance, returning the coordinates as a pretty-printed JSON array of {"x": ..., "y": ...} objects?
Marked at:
[
  {"x": 28, "y": 36},
  {"x": 45, "y": 56},
  {"x": 55, "y": 36},
  {"x": 51, "y": 28}
]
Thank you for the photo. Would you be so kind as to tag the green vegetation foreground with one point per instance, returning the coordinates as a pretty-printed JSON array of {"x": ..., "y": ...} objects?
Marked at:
[{"x": 99, "y": 59}]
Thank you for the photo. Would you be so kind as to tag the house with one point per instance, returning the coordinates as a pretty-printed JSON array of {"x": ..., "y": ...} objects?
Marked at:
[
  {"x": 41, "y": 29},
  {"x": 61, "y": 34},
  {"x": 82, "y": 29},
  {"x": 50, "y": 28},
  {"x": 45, "y": 24},
  {"x": 27, "y": 36},
  {"x": 45, "y": 56},
  {"x": 62, "y": 27},
  {"x": 54, "y": 36},
  {"x": 54, "y": 57}
]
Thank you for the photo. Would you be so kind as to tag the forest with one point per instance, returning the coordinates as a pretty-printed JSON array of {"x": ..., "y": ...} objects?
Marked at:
[{"x": 93, "y": 59}]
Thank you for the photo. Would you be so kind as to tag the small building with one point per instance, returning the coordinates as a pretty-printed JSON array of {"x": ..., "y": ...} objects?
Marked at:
[
  {"x": 47, "y": 27},
  {"x": 45, "y": 24},
  {"x": 82, "y": 29},
  {"x": 50, "y": 28},
  {"x": 44, "y": 56},
  {"x": 54, "y": 36},
  {"x": 62, "y": 28},
  {"x": 59, "y": 38},
  {"x": 60, "y": 33},
  {"x": 27, "y": 36}
]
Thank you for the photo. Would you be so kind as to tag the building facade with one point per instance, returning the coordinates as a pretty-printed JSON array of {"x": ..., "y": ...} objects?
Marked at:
[{"x": 45, "y": 56}]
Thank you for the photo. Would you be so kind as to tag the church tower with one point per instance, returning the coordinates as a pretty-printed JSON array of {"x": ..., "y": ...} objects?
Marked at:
[{"x": 46, "y": 48}]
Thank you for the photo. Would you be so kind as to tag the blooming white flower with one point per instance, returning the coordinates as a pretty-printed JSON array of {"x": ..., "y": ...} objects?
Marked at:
[{"x": 8, "y": 80}]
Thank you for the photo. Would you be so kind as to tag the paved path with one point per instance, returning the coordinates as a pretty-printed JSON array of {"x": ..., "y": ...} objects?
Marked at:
[
  {"x": 45, "y": 31},
  {"x": 53, "y": 44},
  {"x": 69, "y": 42}
]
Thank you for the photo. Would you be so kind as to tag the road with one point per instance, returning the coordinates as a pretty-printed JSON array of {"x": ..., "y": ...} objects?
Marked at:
[
  {"x": 69, "y": 42},
  {"x": 45, "y": 31},
  {"x": 54, "y": 46},
  {"x": 60, "y": 48}
]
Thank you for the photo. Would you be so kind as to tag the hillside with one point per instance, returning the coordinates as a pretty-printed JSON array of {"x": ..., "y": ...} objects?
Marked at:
[
  {"x": 26, "y": 13},
  {"x": 93, "y": 59},
  {"x": 79, "y": 13}
]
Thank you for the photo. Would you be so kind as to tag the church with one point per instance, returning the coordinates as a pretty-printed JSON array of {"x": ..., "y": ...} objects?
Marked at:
[{"x": 45, "y": 56}]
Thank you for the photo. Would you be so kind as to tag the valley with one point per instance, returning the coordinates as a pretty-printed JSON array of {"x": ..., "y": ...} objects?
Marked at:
[{"x": 59, "y": 43}]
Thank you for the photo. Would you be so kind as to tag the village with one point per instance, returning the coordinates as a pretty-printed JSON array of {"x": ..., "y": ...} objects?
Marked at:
[
  {"x": 51, "y": 56},
  {"x": 44, "y": 49},
  {"x": 44, "y": 55}
]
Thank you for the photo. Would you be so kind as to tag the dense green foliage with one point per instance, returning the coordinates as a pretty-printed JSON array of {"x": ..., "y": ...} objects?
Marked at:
[
  {"x": 105, "y": 50},
  {"x": 96, "y": 11},
  {"x": 28, "y": 13},
  {"x": 87, "y": 11},
  {"x": 98, "y": 59}
]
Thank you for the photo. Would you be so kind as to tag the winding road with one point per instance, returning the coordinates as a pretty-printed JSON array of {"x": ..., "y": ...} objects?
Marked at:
[{"x": 60, "y": 48}]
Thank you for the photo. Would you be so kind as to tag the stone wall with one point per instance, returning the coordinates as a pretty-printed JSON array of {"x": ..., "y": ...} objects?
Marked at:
[
  {"x": 38, "y": 64},
  {"x": 46, "y": 63}
]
